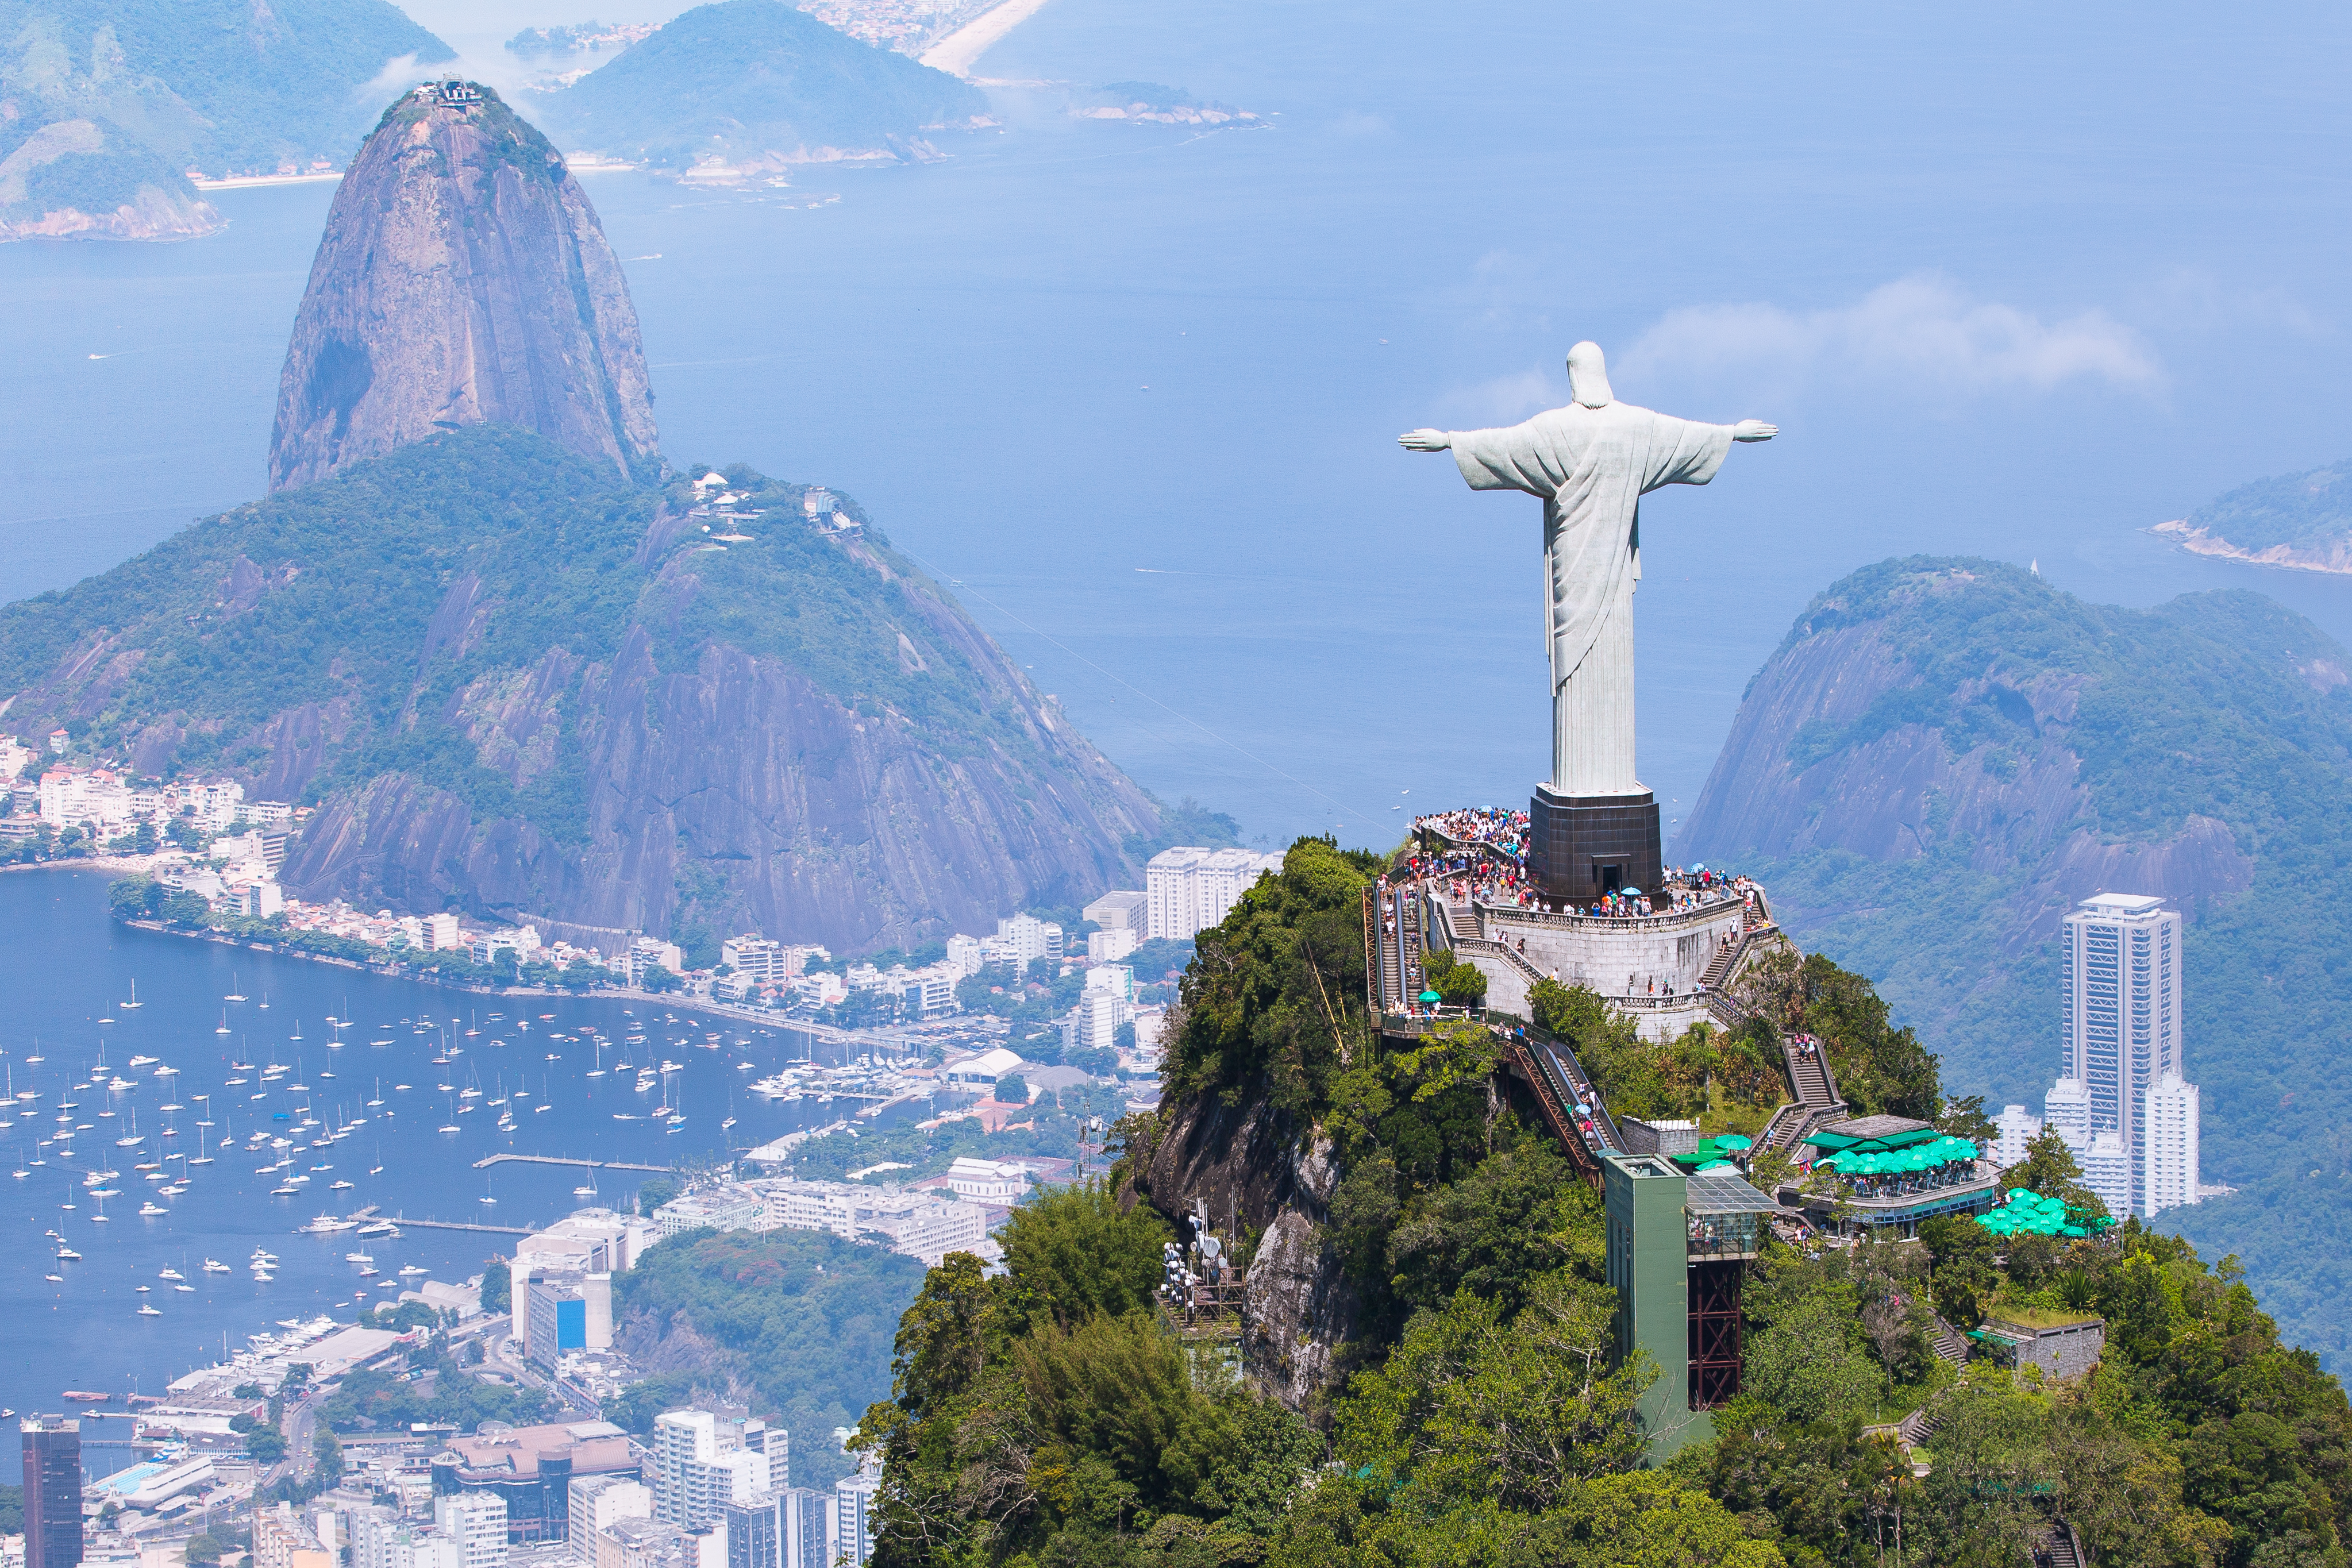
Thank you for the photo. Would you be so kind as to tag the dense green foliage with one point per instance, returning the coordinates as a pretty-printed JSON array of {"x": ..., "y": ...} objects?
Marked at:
[
  {"x": 550, "y": 542},
  {"x": 801, "y": 1319},
  {"x": 370, "y": 1399},
  {"x": 2223, "y": 706},
  {"x": 1046, "y": 1411},
  {"x": 2311, "y": 512},
  {"x": 747, "y": 80},
  {"x": 221, "y": 85}
]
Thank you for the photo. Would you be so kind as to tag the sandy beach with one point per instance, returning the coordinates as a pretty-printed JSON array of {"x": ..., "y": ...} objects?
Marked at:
[{"x": 961, "y": 50}]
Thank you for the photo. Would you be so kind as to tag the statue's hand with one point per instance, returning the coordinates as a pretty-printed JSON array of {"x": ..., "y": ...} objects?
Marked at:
[
  {"x": 1754, "y": 430},
  {"x": 1424, "y": 441}
]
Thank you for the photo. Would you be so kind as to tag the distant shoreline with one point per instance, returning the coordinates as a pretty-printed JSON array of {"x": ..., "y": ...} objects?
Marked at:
[
  {"x": 2197, "y": 541},
  {"x": 961, "y": 50},
  {"x": 247, "y": 181}
]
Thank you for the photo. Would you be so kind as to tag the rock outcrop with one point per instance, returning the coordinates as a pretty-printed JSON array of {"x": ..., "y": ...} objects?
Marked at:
[
  {"x": 1252, "y": 1171},
  {"x": 1843, "y": 744},
  {"x": 463, "y": 279}
]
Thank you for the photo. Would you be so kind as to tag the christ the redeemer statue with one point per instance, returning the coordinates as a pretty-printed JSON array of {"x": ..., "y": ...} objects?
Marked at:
[{"x": 1591, "y": 462}]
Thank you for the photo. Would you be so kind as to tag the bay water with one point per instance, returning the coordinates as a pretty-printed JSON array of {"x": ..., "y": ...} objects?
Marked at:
[{"x": 71, "y": 975}]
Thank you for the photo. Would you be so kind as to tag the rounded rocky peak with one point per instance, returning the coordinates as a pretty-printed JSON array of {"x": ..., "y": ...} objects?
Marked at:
[{"x": 457, "y": 113}]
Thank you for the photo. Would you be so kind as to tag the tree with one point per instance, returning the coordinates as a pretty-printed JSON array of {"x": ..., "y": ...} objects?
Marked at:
[
  {"x": 201, "y": 1550},
  {"x": 1807, "y": 1358},
  {"x": 1962, "y": 1279},
  {"x": 1467, "y": 1406},
  {"x": 2049, "y": 1168},
  {"x": 498, "y": 1285},
  {"x": 327, "y": 1457},
  {"x": 134, "y": 898},
  {"x": 1075, "y": 1254},
  {"x": 1012, "y": 1089},
  {"x": 265, "y": 1444},
  {"x": 1966, "y": 1118}
]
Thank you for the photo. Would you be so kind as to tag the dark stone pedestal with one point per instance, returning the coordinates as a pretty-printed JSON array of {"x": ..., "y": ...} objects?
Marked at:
[{"x": 1582, "y": 846}]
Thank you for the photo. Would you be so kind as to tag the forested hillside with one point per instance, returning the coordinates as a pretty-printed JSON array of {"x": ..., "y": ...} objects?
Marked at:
[
  {"x": 1945, "y": 755},
  {"x": 794, "y": 1325},
  {"x": 563, "y": 701},
  {"x": 1048, "y": 1415},
  {"x": 107, "y": 101},
  {"x": 759, "y": 86}
]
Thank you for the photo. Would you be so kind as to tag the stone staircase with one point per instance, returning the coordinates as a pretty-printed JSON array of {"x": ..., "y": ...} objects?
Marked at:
[
  {"x": 2059, "y": 1547},
  {"x": 1948, "y": 1342}
]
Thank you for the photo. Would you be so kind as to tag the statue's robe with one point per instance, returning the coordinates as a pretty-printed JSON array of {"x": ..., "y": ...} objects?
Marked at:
[{"x": 1591, "y": 466}]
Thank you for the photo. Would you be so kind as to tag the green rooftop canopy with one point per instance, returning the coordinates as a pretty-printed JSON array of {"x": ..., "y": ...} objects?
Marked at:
[{"x": 2030, "y": 1213}]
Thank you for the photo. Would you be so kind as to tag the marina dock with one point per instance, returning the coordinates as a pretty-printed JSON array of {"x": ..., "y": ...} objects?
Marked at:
[{"x": 562, "y": 1160}]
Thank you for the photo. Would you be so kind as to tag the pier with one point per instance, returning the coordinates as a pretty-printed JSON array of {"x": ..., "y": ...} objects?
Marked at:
[
  {"x": 562, "y": 1160},
  {"x": 405, "y": 1223}
]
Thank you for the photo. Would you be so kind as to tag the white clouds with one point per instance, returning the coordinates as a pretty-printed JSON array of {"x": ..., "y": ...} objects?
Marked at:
[
  {"x": 1921, "y": 330},
  {"x": 399, "y": 74}
]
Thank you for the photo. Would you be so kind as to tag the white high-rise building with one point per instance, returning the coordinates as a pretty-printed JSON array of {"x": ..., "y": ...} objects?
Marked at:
[
  {"x": 682, "y": 1440},
  {"x": 2108, "y": 1169},
  {"x": 853, "y": 1516},
  {"x": 2121, "y": 970},
  {"x": 2123, "y": 966},
  {"x": 1189, "y": 889},
  {"x": 2013, "y": 1129},
  {"x": 476, "y": 1521},
  {"x": 703, "y": 1462},
  {"x": 596, "y": 1501},
  {"x": 2168, "y": 1164},
  {"x": 2067, "y": 1109}
]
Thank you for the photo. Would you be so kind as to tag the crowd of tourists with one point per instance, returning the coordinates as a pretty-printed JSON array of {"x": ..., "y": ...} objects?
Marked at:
[{"x": 1504, "y": 829}]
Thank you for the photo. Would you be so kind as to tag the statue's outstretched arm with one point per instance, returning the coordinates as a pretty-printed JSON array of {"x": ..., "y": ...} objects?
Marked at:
[
  {"x": 1432, "y": 440},
  {"x": 1746, "y": 430}
]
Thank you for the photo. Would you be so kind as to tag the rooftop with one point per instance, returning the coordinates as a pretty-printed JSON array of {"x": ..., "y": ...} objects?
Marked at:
[
  {"x": 1719, "y": 1192},
  {"x": 1864, "y": 1129},
  {"x": 2121, "y": 903}
]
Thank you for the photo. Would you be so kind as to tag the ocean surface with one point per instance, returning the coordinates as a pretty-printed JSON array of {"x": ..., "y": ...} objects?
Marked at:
[
  {"x": 2018, "y": 283},
  {"x": 71, "y": 973}
]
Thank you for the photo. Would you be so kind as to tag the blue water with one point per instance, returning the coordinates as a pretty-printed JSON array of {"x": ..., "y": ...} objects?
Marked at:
[{"x": 68, "y": 969}]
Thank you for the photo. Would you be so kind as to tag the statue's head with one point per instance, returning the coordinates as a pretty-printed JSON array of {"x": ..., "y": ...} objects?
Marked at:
[{"x": 1588, "y": 376}]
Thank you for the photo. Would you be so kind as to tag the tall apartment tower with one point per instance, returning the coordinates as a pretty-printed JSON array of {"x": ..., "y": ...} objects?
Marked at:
[
  {"x": 2121, "y": 968},
  {"x": 52, "y": 1491}
]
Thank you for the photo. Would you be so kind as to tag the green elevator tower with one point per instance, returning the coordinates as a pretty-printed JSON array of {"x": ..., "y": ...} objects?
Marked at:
[{"x": 1648, "y": 1265}]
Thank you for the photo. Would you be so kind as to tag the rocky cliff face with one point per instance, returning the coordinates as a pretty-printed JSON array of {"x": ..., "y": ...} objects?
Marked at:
[
  {"x": 514, "y": 684},
  {"x": 1944, "y": 756},
  {"x": 463, "y": 279},
  {"x": 1840, "y": 748},
  {"x": 1251, "y": 1169}
]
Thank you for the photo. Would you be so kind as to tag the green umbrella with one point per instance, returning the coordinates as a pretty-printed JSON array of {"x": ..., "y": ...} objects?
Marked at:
[
  {"x": 1734, "y": 1140},
  {"x": 1716, "y": 1165},
  {"x": 1430, "y": 999}
]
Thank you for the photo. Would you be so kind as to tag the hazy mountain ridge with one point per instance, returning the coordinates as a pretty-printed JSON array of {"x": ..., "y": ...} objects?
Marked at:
[
  {"x": 463, "y": 277},
  {"x": 560, "y": 702},
  {"x": 1943, "y": 754},
  {"x": 758, "y": 85},
  {"x": 104, "y": 104}
]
